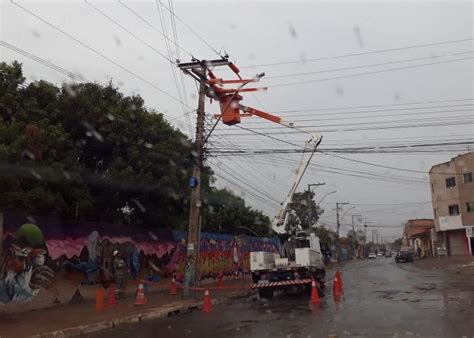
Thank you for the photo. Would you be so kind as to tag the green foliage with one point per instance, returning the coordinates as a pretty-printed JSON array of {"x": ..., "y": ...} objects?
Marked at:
[
  {"x": 299, "y": 215},
  {"x": 325, "y": 235},
  {"x": 87, "y": 147}
]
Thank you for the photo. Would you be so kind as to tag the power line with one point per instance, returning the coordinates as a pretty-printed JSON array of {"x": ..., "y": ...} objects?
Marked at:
[
  {"x": 401, "y": 126},
  {"x": 374, "y": 106},
  {"x": 128, "y": 31},
  {"x": 368, "y": 73},
  {"x": 375, "y": 111},
  {"x": 49, "y": 64},
  {"x": 268, "y": 136},
  {"x": 154, "y": 27},
  {"x": 359, "y": 54},
  {"x": 95, "y": 51},
  {"x": 173, "y": 70},
  {"x": 191, "y": 29},
  {"x": 366, "y": 66},
  {"x": 449, "y": 117}
]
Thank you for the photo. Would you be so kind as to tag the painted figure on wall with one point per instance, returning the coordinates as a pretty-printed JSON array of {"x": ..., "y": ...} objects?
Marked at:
[
  {"x": 90, "y": 268},
  {"x": 22, "y": 268},
  {"x": 98, "y": 267}
]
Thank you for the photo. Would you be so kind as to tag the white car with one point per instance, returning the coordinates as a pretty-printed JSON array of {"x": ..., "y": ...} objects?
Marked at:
[{"x": 372, "y": 255}]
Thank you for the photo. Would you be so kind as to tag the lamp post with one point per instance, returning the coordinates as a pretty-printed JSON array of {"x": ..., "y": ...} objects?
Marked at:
[
  {"x": 309, "y": 200},
  {"x": 329, "y": 193}
]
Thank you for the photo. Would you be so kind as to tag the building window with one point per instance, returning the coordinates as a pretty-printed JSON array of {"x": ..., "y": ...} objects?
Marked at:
[
  {"x": 470, "y": 206},
  {"x": 432, "y": 187},
  {"x": 434, "y": 212},
  {"x": 453, "y": 210},
  {"x": 450, "y": 182},
  {"x": 467, "y": 177}
]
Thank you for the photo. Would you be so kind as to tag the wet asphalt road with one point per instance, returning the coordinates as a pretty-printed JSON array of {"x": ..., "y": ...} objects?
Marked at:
[{"x": 381, "y": 299}]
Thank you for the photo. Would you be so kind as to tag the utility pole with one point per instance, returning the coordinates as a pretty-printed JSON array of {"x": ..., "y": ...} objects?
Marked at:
[
  {"x": 338, "y": 221},
  {"x": 197, "y": 69},
  {"x": 308, "y": 198},
  {"x": 353, "y": 232}
]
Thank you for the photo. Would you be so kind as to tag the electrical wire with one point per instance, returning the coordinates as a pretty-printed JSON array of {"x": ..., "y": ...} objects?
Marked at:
[
  {"x": 73, "y": 76},
  {"x": 154, "y": 27},
  {"x": 191, "y": 30},
  {"x": 367, "y": 73},
  {"x": 128, "y": 31},
  {"x": 360, "y": 54},
  {"x": 95, "y": 51},
  {"x": 367, "y": 66}
]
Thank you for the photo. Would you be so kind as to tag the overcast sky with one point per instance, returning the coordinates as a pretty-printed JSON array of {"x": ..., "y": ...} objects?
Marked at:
[{"x": 428, "y": 85}]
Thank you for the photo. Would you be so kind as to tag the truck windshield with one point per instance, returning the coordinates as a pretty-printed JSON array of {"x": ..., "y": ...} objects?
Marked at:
[{"x": 302, "y": 243}]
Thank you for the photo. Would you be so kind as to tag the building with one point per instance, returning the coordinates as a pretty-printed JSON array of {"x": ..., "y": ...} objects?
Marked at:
[
  {"x": 452, "y": 195},
  {"x": 418, "y": 233}
]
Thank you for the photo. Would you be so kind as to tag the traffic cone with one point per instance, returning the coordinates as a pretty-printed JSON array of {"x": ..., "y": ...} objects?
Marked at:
[
  {"x": 206, "y": 305},
  {"x": 337, "y": 284},
  {"x": 314, "y": 293},
  {"x": 220, "y": 281},
  {"x": 173, "y": 289},
  {"x": 99, "y": 300},
  {"x": 140, "y": 298},
  {"x": 111, "y": 301}
]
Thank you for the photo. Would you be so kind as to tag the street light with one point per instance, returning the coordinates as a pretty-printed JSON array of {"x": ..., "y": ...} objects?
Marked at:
[
  {"x": 329, "y": 193},
  {"x": 342, "y": 217}
]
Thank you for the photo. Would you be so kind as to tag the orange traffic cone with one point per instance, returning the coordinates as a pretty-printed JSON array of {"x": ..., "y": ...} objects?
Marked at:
[
  {"x": 173, "y": 289},
  {"x": 111, "y": 301},
  {"x": 140, "y": 298},
  {"x": 99, "y": 300},
  {"x": 337, "y": 284},
  {"x": 207, "y": 305},
  {"x": 314, "y": 293},
  {"x": 220, "y": 282}
]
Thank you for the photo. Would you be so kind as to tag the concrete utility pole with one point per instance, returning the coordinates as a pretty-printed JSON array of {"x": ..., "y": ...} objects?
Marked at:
[
  {"x": 365, "y": 232},
  {"x": 197, "y": 69},
  {"x": 353, "y": 231},
  {"x": 338, "y": 221},
  {"x": 308, "y": 198}
]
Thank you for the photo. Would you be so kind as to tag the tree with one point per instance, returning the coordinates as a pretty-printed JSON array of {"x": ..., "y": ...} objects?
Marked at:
[
  {"x": 397, "y": 244},
  {"x": 325, "y": 235},
  {"x": 90, "y": 147},
  {"x": 299, "y": 212}
]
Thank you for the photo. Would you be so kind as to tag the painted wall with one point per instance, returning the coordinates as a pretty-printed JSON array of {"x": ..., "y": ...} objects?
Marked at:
[{"x": 47, "y": 261}]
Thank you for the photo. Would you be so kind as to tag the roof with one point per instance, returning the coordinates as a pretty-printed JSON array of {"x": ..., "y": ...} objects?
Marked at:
[
  {"x": 414, "y": 227},
  {"x": 451, "y": 160}
]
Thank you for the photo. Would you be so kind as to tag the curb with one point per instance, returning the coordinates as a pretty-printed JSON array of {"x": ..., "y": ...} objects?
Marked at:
[{"x": 164, "y": 311}]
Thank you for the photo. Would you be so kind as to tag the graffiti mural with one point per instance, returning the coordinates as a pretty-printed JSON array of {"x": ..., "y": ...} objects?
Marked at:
[
  {"x": 57, "y": 258},
  {"x": 23, "y": 270},
  {"x": 221, "y": 254}
]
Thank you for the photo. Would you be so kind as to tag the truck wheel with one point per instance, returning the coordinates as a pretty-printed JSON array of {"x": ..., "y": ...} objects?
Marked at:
[{"x": 265, "y": 293}]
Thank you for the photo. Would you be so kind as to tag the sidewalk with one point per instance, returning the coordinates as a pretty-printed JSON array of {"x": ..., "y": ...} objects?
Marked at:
[
  {"x": 70, "y": 320},
  {"x": 463, "y": 265}
]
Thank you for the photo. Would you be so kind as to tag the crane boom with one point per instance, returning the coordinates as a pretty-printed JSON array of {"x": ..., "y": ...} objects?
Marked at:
[{"x": 281, "y": 218}]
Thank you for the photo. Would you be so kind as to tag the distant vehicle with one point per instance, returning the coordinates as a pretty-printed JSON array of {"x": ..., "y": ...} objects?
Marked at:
[
  {"x": 388, "y": 254},
  {"x": 379, "y": 254},
  {"x": 404, "y": 256},
  {"x": 372, "y": 255}
]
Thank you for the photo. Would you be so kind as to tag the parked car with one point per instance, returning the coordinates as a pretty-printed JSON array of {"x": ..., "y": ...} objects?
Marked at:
[
  {"x": 388, "y": 254},
  {"x": 372, "y": 255},
  {"x": 404, "y": 256},
  {"x": 379, "y": 254}
]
